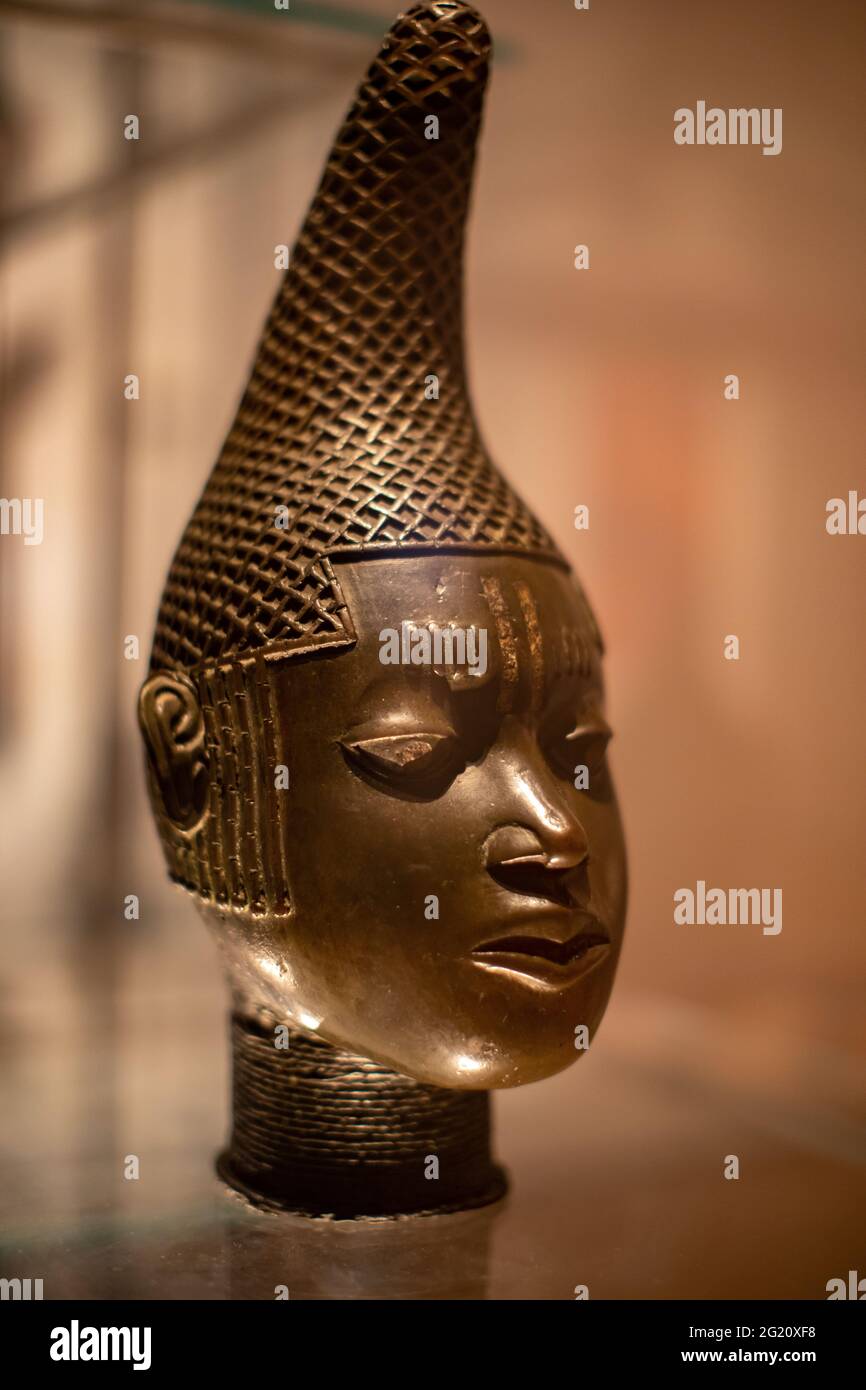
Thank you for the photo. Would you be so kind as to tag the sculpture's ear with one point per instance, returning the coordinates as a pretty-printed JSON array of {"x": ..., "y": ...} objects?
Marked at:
[{"x": 172, "y": 723}]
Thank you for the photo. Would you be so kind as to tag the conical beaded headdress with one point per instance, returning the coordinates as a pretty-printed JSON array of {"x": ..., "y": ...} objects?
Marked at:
[{"x": 356, "y": 435}]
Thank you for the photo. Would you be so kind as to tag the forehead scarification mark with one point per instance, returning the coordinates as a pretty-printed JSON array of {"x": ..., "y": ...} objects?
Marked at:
[
  {"x": 529, "y": 610},
  {"x": 507, "y": 641}
]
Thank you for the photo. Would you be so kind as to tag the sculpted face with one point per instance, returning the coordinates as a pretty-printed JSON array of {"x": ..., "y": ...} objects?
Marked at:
[{"x": 457, "y": 902}]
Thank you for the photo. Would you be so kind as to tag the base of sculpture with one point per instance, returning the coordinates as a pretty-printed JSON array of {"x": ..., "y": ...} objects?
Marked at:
[{"x": 322, "y": 1132}]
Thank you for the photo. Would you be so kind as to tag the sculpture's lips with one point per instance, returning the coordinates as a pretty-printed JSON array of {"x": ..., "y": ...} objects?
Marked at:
[{"x": 543, "y": 957}]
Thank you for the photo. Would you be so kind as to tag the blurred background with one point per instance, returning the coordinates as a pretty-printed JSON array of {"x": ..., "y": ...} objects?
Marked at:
[{"x": 602, "y": 387}]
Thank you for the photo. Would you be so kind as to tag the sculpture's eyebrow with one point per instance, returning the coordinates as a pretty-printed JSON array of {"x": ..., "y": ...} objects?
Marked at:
[{"x": 414, "y": 698}]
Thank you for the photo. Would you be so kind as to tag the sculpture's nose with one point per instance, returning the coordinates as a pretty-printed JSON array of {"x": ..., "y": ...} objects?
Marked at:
[{"x": 539, "y": 846}]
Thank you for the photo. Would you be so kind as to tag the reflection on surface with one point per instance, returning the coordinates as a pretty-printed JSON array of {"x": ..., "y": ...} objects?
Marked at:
[{"x": 217, "y": 1251}]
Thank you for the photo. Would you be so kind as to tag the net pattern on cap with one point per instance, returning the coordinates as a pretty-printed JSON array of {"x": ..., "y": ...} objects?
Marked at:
[{"x": 340, "y": 426}]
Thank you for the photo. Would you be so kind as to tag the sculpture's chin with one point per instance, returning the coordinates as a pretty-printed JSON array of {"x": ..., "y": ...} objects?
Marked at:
[
  {"x": 490, "y": 1066},
  {"x": 500, "y": 1072},
  {"x": 484, "y": 1040}
]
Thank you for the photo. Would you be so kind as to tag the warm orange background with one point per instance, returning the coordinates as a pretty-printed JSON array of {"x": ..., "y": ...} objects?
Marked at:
[{"x": 602, "y": 387}]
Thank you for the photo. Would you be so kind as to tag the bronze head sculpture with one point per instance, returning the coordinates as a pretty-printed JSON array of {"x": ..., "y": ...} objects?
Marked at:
[{"x": 374, "y": 715}]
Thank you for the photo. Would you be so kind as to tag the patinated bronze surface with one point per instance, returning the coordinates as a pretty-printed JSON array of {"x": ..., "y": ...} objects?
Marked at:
[{"x": 407, "y": 851}]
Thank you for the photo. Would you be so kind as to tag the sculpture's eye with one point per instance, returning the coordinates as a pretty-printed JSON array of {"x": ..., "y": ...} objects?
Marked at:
[
  {"x": 584, "y": 747},
  {"x": 418, "y": 761}
]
